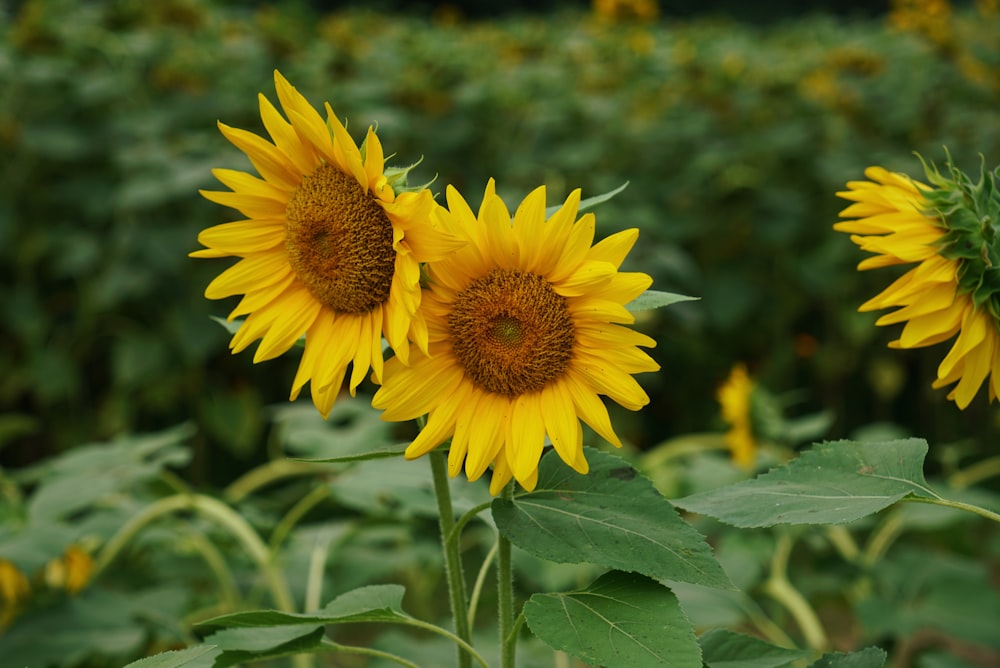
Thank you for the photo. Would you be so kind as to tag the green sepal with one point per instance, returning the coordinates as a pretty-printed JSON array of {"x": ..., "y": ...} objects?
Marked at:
[
  {"x": 970, "y": 212},
  {"x": 398, "y": 177}
]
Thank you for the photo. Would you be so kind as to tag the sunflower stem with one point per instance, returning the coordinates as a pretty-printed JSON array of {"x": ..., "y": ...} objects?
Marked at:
[
  {"x": 452, "y": 554},
  {"x": 505, "y": 593}
]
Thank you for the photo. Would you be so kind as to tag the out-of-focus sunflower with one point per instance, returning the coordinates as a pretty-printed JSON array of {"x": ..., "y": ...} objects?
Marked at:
[
  {"x": 328, "y": 248},
  {"x": 14, "y": 591},
  {"x": 949, "y": 230},
  {"x": 735, "y": 398},
  {"x": 70, "y": 571},
  {"x": 527, "y": 331}
]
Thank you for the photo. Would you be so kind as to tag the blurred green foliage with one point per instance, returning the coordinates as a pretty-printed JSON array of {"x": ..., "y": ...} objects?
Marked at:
[{"x": 733, "y": 138}]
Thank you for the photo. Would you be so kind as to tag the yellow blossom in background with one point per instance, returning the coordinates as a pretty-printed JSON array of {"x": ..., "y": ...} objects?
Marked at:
[
  {"x": 948, "y": 232},
  {"x": 626, "y": 10},
  {"x": 328, "y": 249},
  {"x": 734, "y": 396},
  {"x": 930, "y": 18},
  {"x": 14, "y": 590},
  {"x": 527, "y": 330},
  {"x": 72, "y": 571}
]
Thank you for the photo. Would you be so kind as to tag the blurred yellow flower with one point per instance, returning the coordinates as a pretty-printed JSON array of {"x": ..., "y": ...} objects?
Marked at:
[
  {"x": 948, "y": 231},
  {"x": 930, "y": 18},
  {"x": 14, "y": 590},
  {"x": 526, "y": 332},
  {"x": 328, "y": 249},
  {"x": 734, "y": 396},
  {"x": 625, "y": 10},
  {"x": 72, "y": 571}
]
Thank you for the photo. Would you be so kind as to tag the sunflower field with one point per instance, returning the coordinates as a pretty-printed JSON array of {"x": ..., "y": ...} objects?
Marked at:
[{"x": 690, "y": 432}]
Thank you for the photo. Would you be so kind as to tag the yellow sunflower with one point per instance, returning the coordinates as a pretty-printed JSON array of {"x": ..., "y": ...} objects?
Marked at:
[
  {"x": 14, "y": 590},
  {"x": 734, "y": 396},
  {"x": 328, "y": 249},
  {"x": 947, "y": 230},
  {"x": 526, "y": 331}
]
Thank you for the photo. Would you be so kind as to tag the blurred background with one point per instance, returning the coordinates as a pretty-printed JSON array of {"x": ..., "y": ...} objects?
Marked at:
[{"x": 733, "y": 123}]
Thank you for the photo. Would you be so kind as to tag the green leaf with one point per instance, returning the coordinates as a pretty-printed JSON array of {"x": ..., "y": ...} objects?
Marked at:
[
  {"x": 376, "y": 603},
  {"x": 199, "y": 656},
  {"x": 243, "y": 648},
  {"x": 612, "y": 517},
  {"x": 590, "y": 202},
  {"x": 621, "y": 619},
  {"x": 260, "y": 639},
  {"x": 870, "y": 657},
  {"x": 722, "y": 648},
  {"x": 354, "y": 431},
  {"x": 833, "y": 483},
  {"x": 653, "y": 299},
  {"x": 400, "y": 487}
]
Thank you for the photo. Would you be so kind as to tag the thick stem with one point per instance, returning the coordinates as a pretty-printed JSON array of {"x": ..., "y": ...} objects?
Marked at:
[
  {"x": 781, "y": 589},
  {"x": 505, "y": 594},
  {"x": 452, "y": 554}
]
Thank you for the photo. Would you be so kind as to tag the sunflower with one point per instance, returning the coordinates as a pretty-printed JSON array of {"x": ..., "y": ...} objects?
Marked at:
[
  {"x": 328, "y": 248},
  {"x": 734, "y": 396},
  {"x": 526, "y": 331},
  {"x": 947, "y": 231}
]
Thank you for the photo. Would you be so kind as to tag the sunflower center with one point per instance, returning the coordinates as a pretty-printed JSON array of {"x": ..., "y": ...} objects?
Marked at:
[
  {"x": 339, "y": 242},
  {"x": 511, "y": 332}
]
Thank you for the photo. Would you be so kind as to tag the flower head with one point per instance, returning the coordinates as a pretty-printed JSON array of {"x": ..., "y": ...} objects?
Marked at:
[
  {"x": 328, "y": 248},
  {"x": 948, "y": 229},
  {"x": 526, "y": 329},
  {"x": 735, "y": 398},
  {"x": 70, "y": 571},
  {"x": 14, "y": 590}
]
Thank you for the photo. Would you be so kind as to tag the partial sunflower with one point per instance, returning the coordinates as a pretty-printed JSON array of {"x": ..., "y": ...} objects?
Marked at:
[
  {"x": 329, "y": 249},
  {"x": 949, "y": 230},
  {"x": 526, "y": 332},
  {"x": 735, "y": 399}
]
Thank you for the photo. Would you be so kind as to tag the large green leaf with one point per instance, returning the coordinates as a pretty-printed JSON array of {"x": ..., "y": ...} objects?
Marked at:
[
  {"x": 612, "y": 517},
  {"x": 832, "y": 483},
  {"x": 199, "y": 656},
  {"x": 376, "y": 603},
  {"x": 620, "y": 620},
  {"x": 722, "y": 648}
]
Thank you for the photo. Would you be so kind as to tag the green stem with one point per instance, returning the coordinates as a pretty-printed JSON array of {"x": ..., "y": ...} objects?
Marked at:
[
  {"x": 217, "y": 564},
  {"x": 477, "y": 588},
  {"x": 314, "y": 581},
  {"x": 296, "y": 513},
  {"x": 959, "y": 505},
  {"x": 366, "y": 651},
  {"x": 781, "y": 589},
  {"x": 222, "y": 515},
  {"x": 452, "y": 554},
  {"x": 469, "y": 515},
  {"x": 468, "y": 650},
  {"x": 843, "y": 542},
  {"x": 882, "y": 537},
  {"x": 976, "y": 473},
  {"x": 266, "y": 474},
  {"x": 505, "y": 592}
]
